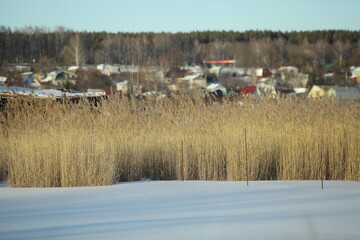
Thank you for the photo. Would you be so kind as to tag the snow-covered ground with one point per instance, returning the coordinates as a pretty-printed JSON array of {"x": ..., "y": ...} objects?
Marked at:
[
  {"x": 184, "y": 210},
  {"x": 43, "y": 92}
]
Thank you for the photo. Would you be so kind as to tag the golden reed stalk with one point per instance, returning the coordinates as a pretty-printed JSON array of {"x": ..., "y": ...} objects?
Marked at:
[{"x": 47, "y": 144}]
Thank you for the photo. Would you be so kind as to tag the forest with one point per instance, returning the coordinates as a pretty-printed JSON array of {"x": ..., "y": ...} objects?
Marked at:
[{"x": 310, "y": 51}]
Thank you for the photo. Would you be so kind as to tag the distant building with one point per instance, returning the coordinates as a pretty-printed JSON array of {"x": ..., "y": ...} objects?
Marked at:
[
  {"x": 32, "y": 82},
  {"x": 215, "y": 87},
  {"x": 317, "y": 91},
  {"x": 122, "y": 86},
  {"x": 355, "y": 74},
  {"x": 194, "y": 81},
  {"x": 263, "y": 73},
  {"x": 250, "y": 90},
  {"x": 96, "y": 92},
  {"x": 60, "y": 78}
]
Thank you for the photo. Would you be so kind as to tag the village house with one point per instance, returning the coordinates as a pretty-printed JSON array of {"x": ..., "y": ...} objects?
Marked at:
[
  {"x": 60, "y": 78},
  {"x": 196, "y": 81},
  {"x": 317, "y": 91}
]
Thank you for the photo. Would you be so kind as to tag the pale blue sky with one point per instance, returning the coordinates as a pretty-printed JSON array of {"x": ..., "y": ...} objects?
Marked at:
[{"x": 186, "y": 15}]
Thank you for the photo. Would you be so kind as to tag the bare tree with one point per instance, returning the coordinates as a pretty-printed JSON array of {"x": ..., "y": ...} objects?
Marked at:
[
  {"x": 195, "y": 54},
  {"x": 321, "y": 50},
  {"x": 137, "y": 54},
  {"x": 74, "y": 52},
  {"x": 261, "y": 51},
  {"x": 282, "y": 46},
  {"x": 161, "y": 43},
  {"x": 243, "y": 53},
  {"x": 217, "y": 51},
  {"x": 130, "y": 52},
  {"x": 105, "y": 51},
  {"x": 60, "y": 41},
  {"x": 342, "y": 51},
  {"x": 119, "y": 49},
  {"x": 309, "y": 61}
]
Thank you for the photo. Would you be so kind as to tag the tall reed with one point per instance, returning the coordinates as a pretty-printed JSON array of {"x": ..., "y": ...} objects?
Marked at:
[{"x": 47, "y": 144}]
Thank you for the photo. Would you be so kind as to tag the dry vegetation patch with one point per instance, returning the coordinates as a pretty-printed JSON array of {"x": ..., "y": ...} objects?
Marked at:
[{"x": 47, "y": 144}]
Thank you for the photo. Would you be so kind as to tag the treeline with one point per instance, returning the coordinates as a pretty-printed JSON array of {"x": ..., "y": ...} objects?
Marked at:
[
  {"x": 293, "y": 37},
  {"x": 309, "y": 50}
]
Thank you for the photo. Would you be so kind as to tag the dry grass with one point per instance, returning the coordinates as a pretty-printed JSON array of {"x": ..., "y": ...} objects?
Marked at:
[{"x": 46, "y": 144}]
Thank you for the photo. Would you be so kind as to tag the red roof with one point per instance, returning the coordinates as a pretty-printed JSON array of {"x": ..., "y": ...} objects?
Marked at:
[
  {"x": 219, "y": 61},
  {"x": 248, "y": 89}
]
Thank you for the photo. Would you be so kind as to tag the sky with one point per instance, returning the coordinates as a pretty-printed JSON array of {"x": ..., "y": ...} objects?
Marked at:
[{"x": 182, "y": 16}]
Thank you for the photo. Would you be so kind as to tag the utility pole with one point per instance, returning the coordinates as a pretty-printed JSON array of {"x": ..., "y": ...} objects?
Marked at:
[{"x": 346, "y": 79}]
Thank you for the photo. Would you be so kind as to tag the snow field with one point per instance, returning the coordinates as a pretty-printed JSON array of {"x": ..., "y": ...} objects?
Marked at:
[{"x": 184, "y": 210}]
